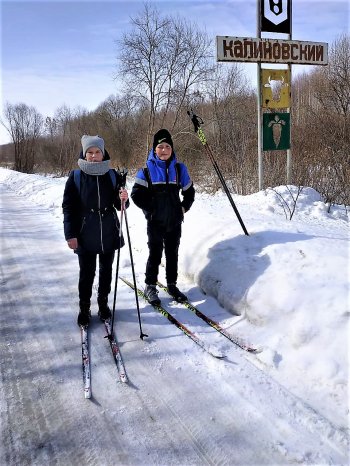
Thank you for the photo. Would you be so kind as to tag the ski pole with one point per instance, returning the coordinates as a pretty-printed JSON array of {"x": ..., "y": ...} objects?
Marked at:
[
  {"x": 142, "y": 335},
  {"x": 134, "y": 278},
  {"x": 197, "y": 122},
  {"x": 122, "y": 212}
]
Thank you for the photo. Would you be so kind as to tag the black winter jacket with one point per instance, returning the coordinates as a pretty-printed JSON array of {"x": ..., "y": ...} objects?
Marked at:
[{"x": 91, "y": 215}]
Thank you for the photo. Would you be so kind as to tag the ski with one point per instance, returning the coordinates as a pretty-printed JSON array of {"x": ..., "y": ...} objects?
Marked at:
[
  {"x": 116, "y": 353},
  {"x": 237, "y": 341},
  {"x": 178, "y": 324},
  {"x": 85, "y": 361}
]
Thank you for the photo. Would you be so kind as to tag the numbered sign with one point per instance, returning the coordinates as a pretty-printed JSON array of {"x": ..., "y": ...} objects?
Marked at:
[{"x": 275, "y": 16}]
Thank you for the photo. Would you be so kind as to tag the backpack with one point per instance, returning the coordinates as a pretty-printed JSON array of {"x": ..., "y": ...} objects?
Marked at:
[
  {"x": 148, "y": 177},
  {"x": 77, "y": 178}
]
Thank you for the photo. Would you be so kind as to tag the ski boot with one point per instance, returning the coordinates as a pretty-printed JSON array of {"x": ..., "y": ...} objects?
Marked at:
[
  {"x": 151, "y": 294},
  {"x": 84, "y": 314},
  {"x": 104, "y": 311},
  {"x": 176, "y": 293}
]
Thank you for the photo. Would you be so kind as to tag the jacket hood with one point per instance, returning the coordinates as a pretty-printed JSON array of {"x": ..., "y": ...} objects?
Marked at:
[{"x": 152, "y": 157}]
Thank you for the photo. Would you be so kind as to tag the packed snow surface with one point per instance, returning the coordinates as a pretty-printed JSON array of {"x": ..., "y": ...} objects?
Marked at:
[{"x": 284, "y": 289}]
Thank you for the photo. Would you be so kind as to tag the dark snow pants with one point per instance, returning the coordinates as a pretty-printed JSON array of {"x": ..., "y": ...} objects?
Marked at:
[
  {"x": 159, "y": 239},
  {"x": 87, "y": 263}
]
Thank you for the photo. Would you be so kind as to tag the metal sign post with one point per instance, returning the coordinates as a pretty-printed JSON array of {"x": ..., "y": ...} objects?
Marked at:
[
  {"x": 289, "y": 152},
  {"x": 259, "y": 109}
]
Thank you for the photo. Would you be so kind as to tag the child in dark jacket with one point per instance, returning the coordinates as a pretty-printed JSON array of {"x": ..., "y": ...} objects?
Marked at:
[
  {"x": 91, "y": 225},
  {"x": 156, "y": 192}
]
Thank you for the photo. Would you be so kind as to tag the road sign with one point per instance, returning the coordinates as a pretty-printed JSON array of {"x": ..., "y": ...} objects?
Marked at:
[
  {"x": 275, "y": 16},
  {"x": 275, "y": 88},
  {"x": 245, "y": 49},
  {"x": 276, "y": 131}
]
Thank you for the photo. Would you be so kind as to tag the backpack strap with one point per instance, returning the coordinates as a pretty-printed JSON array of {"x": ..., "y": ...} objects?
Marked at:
[
  {"x": 147, "y": 176},
  {"x": 113, "y": 177},
  {"x": 77, "y": 172},
  {"x": 177, "y": 169}
]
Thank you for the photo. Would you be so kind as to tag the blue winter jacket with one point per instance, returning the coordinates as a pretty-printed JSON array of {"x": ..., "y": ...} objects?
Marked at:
[{"x": 159, "y": 199}]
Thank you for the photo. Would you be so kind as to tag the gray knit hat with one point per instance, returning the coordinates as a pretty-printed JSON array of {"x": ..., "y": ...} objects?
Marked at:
[{"x": 92, "y": 141}]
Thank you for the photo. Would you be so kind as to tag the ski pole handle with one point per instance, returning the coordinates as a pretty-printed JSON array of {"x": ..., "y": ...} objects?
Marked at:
[
  {"x": 196, "y": 120},
  {"x": 123, "y": 173}
]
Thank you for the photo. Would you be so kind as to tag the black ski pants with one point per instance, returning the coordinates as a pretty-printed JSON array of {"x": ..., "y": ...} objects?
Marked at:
[
  {"x": 159, "y": 239},
  {"x": 87, "y": 263}
]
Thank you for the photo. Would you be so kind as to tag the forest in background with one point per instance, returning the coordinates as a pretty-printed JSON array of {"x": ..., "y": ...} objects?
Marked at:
[{"x": 165, "y": 70}]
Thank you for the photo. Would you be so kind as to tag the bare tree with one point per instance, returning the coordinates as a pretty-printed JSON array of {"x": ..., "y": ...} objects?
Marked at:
[
  {"x": 163, "y": 60},
  {"x": 231, "y": 125},
  {"x": 24, "y": 124},
  {"x": 321, "y": 135},
  {"x": 64, "y": 134},
  {"x": 288, "y": 200},
  {"x": 334, "y": 90},
  {"x": 116, "y": 118}
]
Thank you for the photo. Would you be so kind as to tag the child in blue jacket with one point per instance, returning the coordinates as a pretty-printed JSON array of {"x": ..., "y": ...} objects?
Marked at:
[{"x": 156, "y": 192}]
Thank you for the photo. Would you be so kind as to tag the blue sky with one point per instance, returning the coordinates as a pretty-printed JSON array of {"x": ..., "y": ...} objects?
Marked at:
[{"x": 64, "y": 52}]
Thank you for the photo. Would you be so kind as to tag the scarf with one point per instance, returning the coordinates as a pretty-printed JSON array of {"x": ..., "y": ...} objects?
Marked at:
[{"x": 94, "y": 168}]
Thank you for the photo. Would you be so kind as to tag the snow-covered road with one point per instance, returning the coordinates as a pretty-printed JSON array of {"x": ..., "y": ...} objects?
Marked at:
[{"x": 181, "y": 406}]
